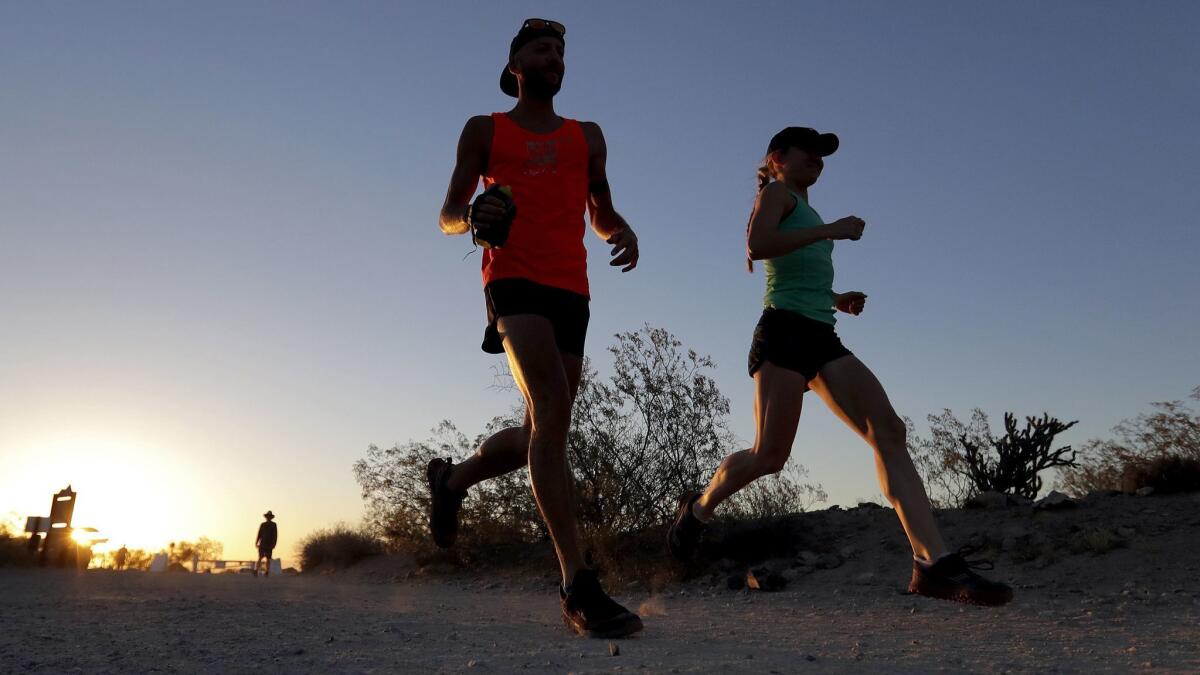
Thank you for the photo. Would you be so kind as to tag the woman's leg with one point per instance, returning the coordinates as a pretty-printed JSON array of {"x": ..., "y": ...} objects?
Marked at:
[
  {"x": 853, "y": 393},
  {"x": 779, "y": 393}
]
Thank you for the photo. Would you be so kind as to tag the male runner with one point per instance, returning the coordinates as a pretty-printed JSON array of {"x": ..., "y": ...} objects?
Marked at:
[{"x": 536, "y": 294}]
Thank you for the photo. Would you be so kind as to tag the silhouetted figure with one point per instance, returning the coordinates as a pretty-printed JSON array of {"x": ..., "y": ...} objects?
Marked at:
[
  {"x": 268, "y": 536},
  {"x": 120, "y": 557},
  {"x": 796, "y": 349},
  {"x": 543, "y": 175}
]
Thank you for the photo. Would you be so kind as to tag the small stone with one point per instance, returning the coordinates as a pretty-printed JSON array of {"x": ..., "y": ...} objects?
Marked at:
[
  {"x": 472, "y": 663},
  {"x": 1145, "y": 492},
  {"x": 762, "y": 579},
  {"x": 614, "y": 649},
  {"x": 1054, "y": 500}
]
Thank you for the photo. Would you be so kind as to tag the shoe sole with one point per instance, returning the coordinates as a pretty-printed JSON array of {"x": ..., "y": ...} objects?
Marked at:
[
  {"x": 629, "y": 626},
  {"x": 956, "y": 595},
  {"x": 431, "y": 472},
  {"x": 684, "y": 502}
]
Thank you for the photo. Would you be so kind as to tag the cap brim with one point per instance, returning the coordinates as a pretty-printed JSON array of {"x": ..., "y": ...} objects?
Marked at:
[
  {"x": 827, "y": 144},
  {"x": 508, "y": 83}
]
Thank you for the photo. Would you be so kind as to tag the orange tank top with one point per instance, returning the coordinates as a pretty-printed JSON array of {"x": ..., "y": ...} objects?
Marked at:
[{"x": 549, "y": 175}]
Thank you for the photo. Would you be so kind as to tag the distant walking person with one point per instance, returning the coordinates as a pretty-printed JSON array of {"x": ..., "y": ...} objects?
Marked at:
[
  {"x": 268, "y": 536},
  {"x": 120, "y": 557},
  {"x": 795, "y": 349},
  {"x": 541, "y": 172}
]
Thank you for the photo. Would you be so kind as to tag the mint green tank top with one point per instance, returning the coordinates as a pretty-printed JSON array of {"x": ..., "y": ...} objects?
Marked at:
[{"x": 802, "y": 281}]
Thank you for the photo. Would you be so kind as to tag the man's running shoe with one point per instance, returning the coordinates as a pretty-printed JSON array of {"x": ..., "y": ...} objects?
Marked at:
[
  {"x": 444, "y": 503},
  {"x": 684, "y": 535},
  {"x": 589, "y": 611},
  {"x": 951, "y": 578}
]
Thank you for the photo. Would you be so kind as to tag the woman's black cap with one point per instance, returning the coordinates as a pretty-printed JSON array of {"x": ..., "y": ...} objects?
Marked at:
[{"x": 804, "y": 138}]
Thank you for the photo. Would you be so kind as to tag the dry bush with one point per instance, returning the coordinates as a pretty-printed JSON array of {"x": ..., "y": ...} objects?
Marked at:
[
  {"x": 396, "y": 492},
  {"x": 339, "y": 546},
  {"x": 774, "y": 496},
  {"x": 1143, "y": 447},
  {"x": 14, "y": 550},
  {"x": 1166, "y": 474},
  {"x": 656, "y": 428}
]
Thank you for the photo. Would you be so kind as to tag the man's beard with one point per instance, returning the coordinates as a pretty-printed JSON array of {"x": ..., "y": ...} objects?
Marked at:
[{"x": 537, "y": 86}]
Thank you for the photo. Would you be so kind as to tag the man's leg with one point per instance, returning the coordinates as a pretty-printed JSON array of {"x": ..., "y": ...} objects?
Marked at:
[
  {"x": 538, "y": 368},
  {"x": 504, "y": 451},
  {"x": 508, "y": 449}
]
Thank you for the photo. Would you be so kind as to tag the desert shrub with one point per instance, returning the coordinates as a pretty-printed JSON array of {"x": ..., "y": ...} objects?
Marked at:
[
  {"x": 961, "y": 459},
  {"x": 938, "y": 459},
  {"x": 135, "y": 559},
  {"x": 775, "y": 496},
  {"x": 1145, "y": 450},
  {"x": 339, "y": 546},
  {"x": 396, "y": 492},
  {"x": 656, "y": 428},
  {"x": 14, "y": 550},
  {"x": 1166, "y": 474},
  {"x": 183, "y": 552}
]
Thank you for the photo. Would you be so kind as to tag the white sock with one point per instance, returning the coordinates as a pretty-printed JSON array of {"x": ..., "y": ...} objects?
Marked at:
[{"x": 928, "y": 563}]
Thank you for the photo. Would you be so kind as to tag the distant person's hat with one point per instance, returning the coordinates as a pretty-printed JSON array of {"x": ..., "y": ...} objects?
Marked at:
[
  {"x": 804, "y": 138},
  {"x": 531, "y": 30},
  {"x": 268, "y": 515}
]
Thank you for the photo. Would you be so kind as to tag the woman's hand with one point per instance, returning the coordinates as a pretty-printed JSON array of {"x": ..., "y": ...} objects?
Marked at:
[
  {"x": 850, "y": 227},
  {"x": 850, "y": 303}
]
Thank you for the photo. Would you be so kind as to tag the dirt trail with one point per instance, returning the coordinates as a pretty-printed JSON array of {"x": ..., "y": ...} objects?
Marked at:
[{"x": 1132, "y": 608}]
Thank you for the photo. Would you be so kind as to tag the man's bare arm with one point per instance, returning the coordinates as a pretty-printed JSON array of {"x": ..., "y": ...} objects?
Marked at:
[
  {"x": 473, "y": 147},
  {"x": 606, "y": 222}
]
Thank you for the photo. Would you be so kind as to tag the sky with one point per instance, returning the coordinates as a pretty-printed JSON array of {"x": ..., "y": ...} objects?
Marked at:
[{"x": 221, "y": 276}]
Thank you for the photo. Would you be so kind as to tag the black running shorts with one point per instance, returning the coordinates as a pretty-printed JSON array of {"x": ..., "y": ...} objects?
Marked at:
[
  {"x": 794, "y": 341},
  {"x": 567, "y": 311}
]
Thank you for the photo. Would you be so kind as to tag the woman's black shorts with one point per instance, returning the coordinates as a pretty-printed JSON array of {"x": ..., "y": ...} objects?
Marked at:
[
  {"x": 568, "y": 312},
  {"x": 794, "y": 341}
]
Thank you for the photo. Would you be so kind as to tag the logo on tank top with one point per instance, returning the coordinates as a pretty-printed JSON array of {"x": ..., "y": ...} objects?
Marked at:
[{"x": 542, "y": 157}]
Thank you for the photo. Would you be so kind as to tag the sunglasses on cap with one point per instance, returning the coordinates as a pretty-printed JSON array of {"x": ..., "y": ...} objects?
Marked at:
[{"x": 542, "y": 24}]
